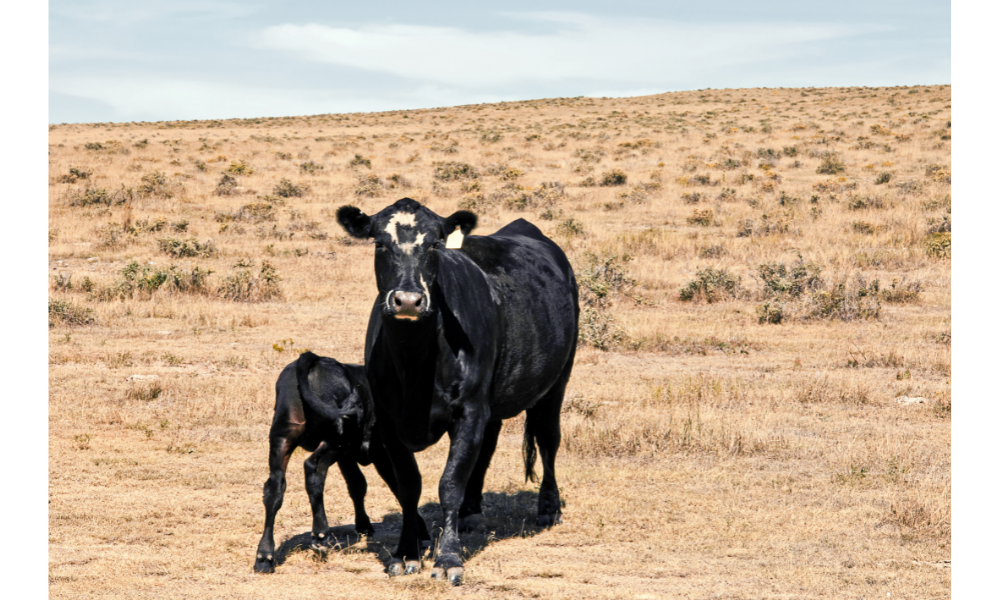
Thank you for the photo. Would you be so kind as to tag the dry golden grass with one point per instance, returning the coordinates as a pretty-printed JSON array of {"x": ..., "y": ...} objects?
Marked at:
[{"x": 705, "y": 453}]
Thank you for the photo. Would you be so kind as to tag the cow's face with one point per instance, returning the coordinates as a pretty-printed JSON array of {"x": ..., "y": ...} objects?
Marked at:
[{"x": 408, "y": 239}]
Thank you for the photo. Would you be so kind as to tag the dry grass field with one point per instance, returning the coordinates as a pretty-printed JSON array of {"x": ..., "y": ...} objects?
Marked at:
[{"x": 763, "y": 273}]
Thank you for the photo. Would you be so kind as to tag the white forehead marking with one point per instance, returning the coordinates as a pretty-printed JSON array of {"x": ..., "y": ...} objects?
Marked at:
[
  {"x": 400, "y": 218},
  {"x": 408, "y": 247}
]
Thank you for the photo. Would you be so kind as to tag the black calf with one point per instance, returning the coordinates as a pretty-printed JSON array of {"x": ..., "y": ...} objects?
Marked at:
[{"x": 325, "y": 407}]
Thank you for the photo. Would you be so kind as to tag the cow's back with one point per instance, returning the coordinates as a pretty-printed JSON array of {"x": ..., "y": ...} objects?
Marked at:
[{"x": 535, "y": 293}]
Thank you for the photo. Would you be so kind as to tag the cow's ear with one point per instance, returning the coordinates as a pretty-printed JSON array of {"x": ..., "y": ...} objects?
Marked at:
[
  {"x": 463, "y": 220},
  {"x": 457, "y": 226},
  {"x": 355, "y": 222}
]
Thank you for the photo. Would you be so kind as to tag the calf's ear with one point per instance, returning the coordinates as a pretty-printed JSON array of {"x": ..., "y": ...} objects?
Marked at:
[
  {"x": 355, "y": 222},
  {"x": 463, "y": 220}
]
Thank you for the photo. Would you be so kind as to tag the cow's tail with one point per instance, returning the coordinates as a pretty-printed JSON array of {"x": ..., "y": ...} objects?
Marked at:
[
  {"x": 529, "y": 450},
  {"x": 307, "y": 360}
]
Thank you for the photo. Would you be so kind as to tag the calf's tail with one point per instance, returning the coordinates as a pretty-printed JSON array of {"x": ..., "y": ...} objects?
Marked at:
[{"x": 307, "y": 360}]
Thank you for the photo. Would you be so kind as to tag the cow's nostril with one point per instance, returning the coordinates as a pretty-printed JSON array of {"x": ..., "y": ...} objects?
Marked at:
[
  {"x": 396, "y": 301},
  {"x": 419, "y": 300}
]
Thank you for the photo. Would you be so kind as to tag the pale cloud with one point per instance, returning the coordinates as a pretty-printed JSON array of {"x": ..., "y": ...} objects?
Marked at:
[
  {"x": 149, "y": 98},
  {"x": 613, "y": 51}
]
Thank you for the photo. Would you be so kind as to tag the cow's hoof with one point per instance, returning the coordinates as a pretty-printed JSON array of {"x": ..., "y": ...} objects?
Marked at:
[
  {"x": 363, "y": 530},
  {"x": 264, "y": 564},
  {"x": 470, "y": 522},
  {"x": 321, "y": 544},
  {"x": 397, "y": 567},
  {"x": 549, "y": 520},
  {"x": 453, "y": 575}
]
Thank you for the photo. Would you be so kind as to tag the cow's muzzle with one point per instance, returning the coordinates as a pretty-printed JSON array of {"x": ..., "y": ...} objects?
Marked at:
[{"x": 407, "y": 305}]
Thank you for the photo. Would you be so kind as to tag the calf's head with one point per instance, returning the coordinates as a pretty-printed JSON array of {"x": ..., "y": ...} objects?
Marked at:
[{"x": 408, "y": 240}]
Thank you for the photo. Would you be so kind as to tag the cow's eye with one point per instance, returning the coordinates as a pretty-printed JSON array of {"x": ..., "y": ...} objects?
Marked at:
[{"x": 379, "y": 246}]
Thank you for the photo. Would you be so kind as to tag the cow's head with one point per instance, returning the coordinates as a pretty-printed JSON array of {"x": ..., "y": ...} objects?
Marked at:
[{"x": 408, "y": 239}]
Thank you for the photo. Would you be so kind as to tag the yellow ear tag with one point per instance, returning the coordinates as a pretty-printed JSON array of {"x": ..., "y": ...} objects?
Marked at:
[{"x": 454, "y": 241}]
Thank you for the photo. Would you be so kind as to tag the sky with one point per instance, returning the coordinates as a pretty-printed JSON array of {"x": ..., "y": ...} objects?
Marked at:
[{"x": 183, "y": 59}]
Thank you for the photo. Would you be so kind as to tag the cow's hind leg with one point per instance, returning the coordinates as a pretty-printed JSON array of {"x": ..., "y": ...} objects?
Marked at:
[
  {"x": 274, "y": 493},
  {"x": 542, "y": 426},
  {"x": 357, "y": 487},
  {"x": 471, "y": 513},
  {"x": 316, "y": 467}
]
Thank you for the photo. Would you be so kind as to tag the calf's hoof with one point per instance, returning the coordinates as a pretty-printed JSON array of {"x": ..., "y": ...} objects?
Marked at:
[
  {"x": 264, "y": 564},
  {"x": 549, "y": 520},
  {"x": 470, "y": 522},
  {"x": 453, "y": 575},
  {"x": 397, "y": 567}
]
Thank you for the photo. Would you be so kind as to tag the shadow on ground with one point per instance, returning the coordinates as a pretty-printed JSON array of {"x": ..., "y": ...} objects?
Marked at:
[{"x": 505, "y": 516}]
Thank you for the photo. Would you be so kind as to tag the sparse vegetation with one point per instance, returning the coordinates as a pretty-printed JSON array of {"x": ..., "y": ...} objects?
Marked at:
[
  {"x": 711, "y": 285},
  {"x": 771, "y": 409}
]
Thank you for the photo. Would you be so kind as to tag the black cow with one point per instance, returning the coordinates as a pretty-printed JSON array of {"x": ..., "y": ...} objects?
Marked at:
[
  {"x": 326, "y": 407},
  {"x": 459, "y": 339}
]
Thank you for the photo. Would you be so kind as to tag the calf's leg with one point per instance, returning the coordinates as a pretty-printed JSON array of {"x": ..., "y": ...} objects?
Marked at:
[
  {"x": 274, "y": 492},
  {"x": 316, "y": 467},
  {"x": 357, "y": 487}
]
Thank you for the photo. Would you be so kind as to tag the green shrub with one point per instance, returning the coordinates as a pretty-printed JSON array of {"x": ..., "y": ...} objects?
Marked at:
[
  {"x": 246, "y": 285},
  {"x": 62, "y": 312},
  {"x": 240, "y": 167},
  {"x": 142, "y": 280},
  {"x": 771, "y": 311},
  {"x": 702, "y": 217},
  {"x": 940, "y": 224},
  {"x": 154, "y": 184},
  {"x": 490, "y": 137},
  {"x": 75, "y": 174},
  {"x": 600, "y": 279},
  {"x": 847, "y": 301},
  {"x": 286, "y": 189},
  {"x": 93, "y": 196},
  {"x": 884, "y": 177},
  {"x": 368, "y": 186},
  {"x": 938, "y": 245},
  {"x": 359, "y": 161},
  {"x": 226, "y": 186},
  {"x": 310, "y": 167},
  {"x": 181, "y": 248},
  {"x": 589, "y": 155},
  {"x": 613, "y": 178},
  {"x": 454, "y": 171},
  {"x": 790, "y": 281},
  {"x": 570, "y": 228},
  {"x": 711, "y": 285},
  {"x": 831, "y": 165},
  {"x": 901, "y": 291}
]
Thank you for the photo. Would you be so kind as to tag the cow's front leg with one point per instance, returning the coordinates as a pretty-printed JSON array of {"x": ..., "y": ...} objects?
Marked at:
[
  {"x": 406, "y": 558},
  {"x": 466, "y": 440}
]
